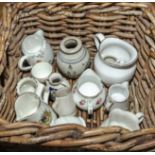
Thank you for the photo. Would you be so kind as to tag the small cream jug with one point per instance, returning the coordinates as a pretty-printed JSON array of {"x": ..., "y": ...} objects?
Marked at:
[
  {"x": 117, "y": 97},
  {"x": 73, "y": 57},
  {"x": 115, "y": 61},
  {"x": 35, "y": 48},
  {"x": 29, "y": 106},
  {"x": 89, "y": 92},
  {"x": 125, "y": 119}
]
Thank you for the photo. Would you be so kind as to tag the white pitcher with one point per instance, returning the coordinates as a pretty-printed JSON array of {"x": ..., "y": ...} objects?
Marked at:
[
  {"x": 118, "y": 95},
  {"x": 125, "y": 119},
  {"x": 35, "y": 48},
  {"x": 89, "y": 92}
]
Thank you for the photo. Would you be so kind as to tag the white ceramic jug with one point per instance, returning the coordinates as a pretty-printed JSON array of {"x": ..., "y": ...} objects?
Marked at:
[
  {"x": 125, "y": 119},
  {"x": 117, "y": 97},
  {"x": 73, "y": 58},
  {"x": 35, "y": 48},
  {"x": 29, "y": 106},
  {"x": 115, "y": 61},
  {"x": 64, "y": 104},
  {"x": 89, "y": 92}
]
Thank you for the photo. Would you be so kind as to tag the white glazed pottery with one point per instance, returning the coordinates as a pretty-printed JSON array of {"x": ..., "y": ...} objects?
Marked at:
[
  {"x": 69, "y": 120},
  {"x": 42, "y": 71},
  {"x": 89, "y": 92},
  {"x": 125, "y": 119},
  {"x": 64, "y": 104},
  {"x": 115, "y": 61},
  {"x": 73, "y": 58},
  {"x": 35, "y": 48},
  {"x": 118, "y": 95},
  {"x": 29, "y": 84},
  {"x": 28, "y": 106}
]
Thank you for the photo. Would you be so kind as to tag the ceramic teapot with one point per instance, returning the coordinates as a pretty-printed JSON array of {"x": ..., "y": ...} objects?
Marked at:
[
  {"x": 115, "y": 61},
  {"x": 125, "y": 119},
  {"x": 73, "y": 58},
  {"x": 89, "y": 92},
  {"x": 35, "y": 48}
]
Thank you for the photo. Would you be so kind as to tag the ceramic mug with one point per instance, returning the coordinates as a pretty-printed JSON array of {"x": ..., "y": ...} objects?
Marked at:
[
  {"x": 64, "y": 104},
  {"x": 35, "y": 48},
  {"x": 42, "y": 71},
  {"x": 29, "y": 106},
  {"x": 73, "y": 57},
  {"x": 115, "y": 61},
  {"x": 125, "y": 119},
  {"x": 89, "y": 92},
  {"x": 118, "y": 95},
  {"x": 69, "y": 120}
]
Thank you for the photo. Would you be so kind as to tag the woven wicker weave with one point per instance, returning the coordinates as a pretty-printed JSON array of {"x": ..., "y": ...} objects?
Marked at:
[{"x": 133, "y": 22}]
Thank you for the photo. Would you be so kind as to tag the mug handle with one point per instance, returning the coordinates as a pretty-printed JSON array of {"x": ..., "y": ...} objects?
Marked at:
[
  {"x": 40, "y": 89},
  {"x": 98, "y": 38},
  {"x": 21, "y": 63},
  {"x": 140, "y": 116}
]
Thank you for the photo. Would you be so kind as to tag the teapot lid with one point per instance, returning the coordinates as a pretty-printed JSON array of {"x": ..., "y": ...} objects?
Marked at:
[{"x": 32, "y": 43}]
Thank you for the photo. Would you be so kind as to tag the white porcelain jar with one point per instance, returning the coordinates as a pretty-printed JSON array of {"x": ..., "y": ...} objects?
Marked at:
[
  {"x": 73, "y": 58},
  {"x": 115, "y": 61},
  {"x": 35, "y": 48}
]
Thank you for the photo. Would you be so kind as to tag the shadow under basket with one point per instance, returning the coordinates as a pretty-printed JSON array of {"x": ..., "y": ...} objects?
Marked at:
[{"x": 133, "y": 22}]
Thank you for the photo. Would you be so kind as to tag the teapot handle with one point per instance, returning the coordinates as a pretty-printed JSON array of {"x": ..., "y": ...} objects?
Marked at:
[
  {"x": 21, "y": 63},
  {"x": 98, "y": 38},
  {"x": 140, "y": 116}
]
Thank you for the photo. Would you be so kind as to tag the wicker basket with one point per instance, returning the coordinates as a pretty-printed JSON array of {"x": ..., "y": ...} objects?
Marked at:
[{"x": 133, "y": 22}]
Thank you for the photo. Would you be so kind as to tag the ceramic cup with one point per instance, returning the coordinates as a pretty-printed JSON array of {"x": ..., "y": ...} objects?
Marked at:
[
  {"x": 115, "y": 61},
  {"x": 29, "y": 106},
  {"x": 35, "y": 48},
  {"x": 69, "y": 120},
  {"x": 42, "y": 71},
  {"x": 118, "y": 95},
  {"x": 89, "y": 92},
  {"x": 125, "y": 119}
]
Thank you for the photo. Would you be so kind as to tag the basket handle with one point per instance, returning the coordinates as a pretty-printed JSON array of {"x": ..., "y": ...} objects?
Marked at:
[{"x": 98, "y": 38}]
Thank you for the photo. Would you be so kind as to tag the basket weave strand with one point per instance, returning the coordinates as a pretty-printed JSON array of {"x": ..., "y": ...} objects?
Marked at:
[{"x": 132, "y": 22}]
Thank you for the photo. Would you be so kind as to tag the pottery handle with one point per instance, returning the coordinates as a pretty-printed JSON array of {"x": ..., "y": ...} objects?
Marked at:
[
  {"x": 55, "y": 106},
  {"x": 40, "y": 89},
  {"x": 140, "y": 116},
  {"x": 46, "y": 96},
  {"x": 21, "y": 63},
  {"x": 108, "y": 105},
  {"x": 90, "y": 108},
  {"x": 98, "y": 38},
  {"x": 83, "y": 123}
]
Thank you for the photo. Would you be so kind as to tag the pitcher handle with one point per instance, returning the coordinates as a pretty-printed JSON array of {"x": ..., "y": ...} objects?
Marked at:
[
  {"x": 98, "y": 38},
  {"x": 40, "y": 89},
  {"x": 108, "y": 105},
  {"x": 140, "y": 116},
  {"x": 90, "y": 107},
  {"x": 21, "y": 63}
]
